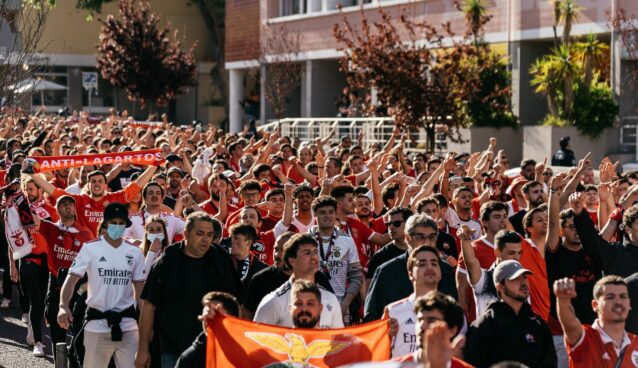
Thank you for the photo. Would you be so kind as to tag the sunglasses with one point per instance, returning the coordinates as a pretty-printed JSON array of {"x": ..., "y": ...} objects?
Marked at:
[{"x": 394, "y": 223}]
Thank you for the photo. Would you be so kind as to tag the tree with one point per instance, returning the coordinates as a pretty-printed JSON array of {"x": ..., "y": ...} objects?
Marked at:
[
  {"x": 421, "y": 80},
  {"x": 281, "y": 72},
  {"x": 20, "y": 58},
  {"x": 135, "y": 54},
  {"x": 213, "y": 14}
]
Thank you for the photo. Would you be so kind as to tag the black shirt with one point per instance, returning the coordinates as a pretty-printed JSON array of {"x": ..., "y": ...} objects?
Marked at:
[
  {"x": 176, "y": 285},
  {"x": 500, "y": 334},
  {"x": 446, "y": 244},
  {"x": 386, "y": 253},
  {"x": 391, "y": 283},
  {"x": 619, "y": 258},
  {"x": 517, "y": 221},
  {"x": 122, "y": 179},
  {"x": 581, "y": 267},
  {"x": 268, "y": 280},
  {"x": 632, "y": 319},
  {"x": 195, "y": 355}
]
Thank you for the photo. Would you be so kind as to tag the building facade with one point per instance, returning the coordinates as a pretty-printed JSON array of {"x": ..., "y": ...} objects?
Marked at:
[
  {"x": 522, "y": 29},
  {"x": 68, "y": 48}
]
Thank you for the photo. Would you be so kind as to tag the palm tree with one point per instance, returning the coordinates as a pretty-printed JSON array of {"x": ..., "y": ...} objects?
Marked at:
[
  {"x": 590, "y": 51},
  {"x": 475, "y": 16},
  {"x": 568, "y": 14},
  {"x": 544, "y": 79},
  {"x": 567, "y": 70}
]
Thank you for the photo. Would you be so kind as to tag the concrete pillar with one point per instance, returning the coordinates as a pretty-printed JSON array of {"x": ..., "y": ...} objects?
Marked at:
[
  {"x": 306, "y": 90},
  {"x": 235, "y": 96},
  {"x": 526, "y": 104}
]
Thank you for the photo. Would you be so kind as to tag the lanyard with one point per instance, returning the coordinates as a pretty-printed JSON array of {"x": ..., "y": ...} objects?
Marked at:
[{"x": 324, "y": 257}]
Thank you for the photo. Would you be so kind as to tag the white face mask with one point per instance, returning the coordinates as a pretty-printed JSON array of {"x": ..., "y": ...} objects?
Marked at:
[{"x": 151, "y": 237}]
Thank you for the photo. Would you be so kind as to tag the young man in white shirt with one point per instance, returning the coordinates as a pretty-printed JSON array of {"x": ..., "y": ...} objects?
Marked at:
[
  {"x": 116, "y": 275},
  {"x": 301, "y": 254},
  {"x": 305, "y": 304},
  {"x": 424, "y": 271}
]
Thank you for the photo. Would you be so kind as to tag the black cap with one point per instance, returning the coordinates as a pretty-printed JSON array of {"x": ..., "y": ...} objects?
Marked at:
[
  {"x": 116, "y": 210},
  {"x": 173, "y": 157}
]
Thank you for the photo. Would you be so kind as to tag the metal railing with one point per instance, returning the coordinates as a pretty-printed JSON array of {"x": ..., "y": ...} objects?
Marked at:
[
  {"x": 377, "y": 130},
  {"x": 628, "y": 131}
]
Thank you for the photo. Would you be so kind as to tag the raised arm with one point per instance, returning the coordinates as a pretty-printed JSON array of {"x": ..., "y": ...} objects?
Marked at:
[
  {"x": 288, "y": 194},
  {"x": 41, "y": 182},
  {"x": 565, "y": 291},
  {"x": 472, "y": 264},
  {"x": 553, "y": 232},
  {"x": 575, "y": 179},
  {"x": 146, "y": 176}
]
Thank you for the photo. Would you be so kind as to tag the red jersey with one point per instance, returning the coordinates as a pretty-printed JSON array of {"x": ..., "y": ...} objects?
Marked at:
[
  {"x": 209, "y": 207},
  {"x": 538, "y": 286},
  {"x": 233, "y": 219},
  {"x": 596, "y": 350},
  {"x": 264, "y": 247},
  {"x": 44, "y": 211},
  {"x": 293, "y": 174},
  {"x": 268, "y": 222},
  {"x": 63, "y": 244},
  {"x": 90, "y": 211},
  {"x": 361, "y": 235},
  {"x": 593, "y": 215},
  {"x": 484, "y": 251}
]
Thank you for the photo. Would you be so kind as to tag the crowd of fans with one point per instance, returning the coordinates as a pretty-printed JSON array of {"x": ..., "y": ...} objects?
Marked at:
[{"x": 470, "y": 266}]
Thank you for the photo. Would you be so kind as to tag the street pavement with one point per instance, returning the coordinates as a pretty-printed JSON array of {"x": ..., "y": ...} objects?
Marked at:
[{"x": 14, "y": 351}]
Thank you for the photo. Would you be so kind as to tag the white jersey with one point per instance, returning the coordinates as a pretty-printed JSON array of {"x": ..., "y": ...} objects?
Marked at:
[
  {"x": 338, "y": 254},
  {"x": 174, "y": 225},
  {"x": 74, "y": 189},
  {"x": 274, "y": 308},
  {"x": 404, "y": 342},
  {"x": 484, "y": 291},
  {"x": 455, "y": 221},
  {"x": 301, "y": 228},
  {"x": 111, "y": 272}
]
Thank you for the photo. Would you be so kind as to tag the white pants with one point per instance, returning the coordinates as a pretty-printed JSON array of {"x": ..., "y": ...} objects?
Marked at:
[
  {"x": 99, "y": 349},
  {"x": 561, "y": 351}
]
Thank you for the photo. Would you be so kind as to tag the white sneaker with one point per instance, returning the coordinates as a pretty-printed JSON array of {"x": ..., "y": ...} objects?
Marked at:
[
  {"x": 5, "y": 303},
  {"x": 30, "y": 339},
  {"x": 25, "y": 318},
  {"x": 38, "y": 350}
]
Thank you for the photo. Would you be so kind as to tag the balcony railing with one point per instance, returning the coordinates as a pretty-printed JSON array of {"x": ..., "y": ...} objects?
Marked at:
[{"x": 286, "y": 9}]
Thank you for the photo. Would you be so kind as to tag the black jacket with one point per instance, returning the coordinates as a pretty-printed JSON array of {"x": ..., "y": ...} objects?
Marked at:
[
  {"x": 564, "y": 157},
  {"x": 195, "y": 355},
  {"x": 500, "y": 335},
  {"x": 632, "y": 319},
  {"x": 618, "y": 258},
  {"x": 391, "y": 283}
]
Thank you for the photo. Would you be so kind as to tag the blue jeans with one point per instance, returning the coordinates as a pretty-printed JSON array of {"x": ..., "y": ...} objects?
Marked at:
[{"x": 169, "y": 360}]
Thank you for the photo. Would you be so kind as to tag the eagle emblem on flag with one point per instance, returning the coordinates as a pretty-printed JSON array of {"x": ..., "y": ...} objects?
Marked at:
[{"x": 293, "y": 345}]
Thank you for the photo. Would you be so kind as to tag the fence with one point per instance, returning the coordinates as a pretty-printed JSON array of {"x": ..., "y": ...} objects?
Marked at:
[{"x": 377, "y": 131}]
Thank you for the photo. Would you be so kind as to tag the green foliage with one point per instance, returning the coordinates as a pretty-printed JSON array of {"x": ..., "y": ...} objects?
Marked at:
[
  {"x": 485, "y": 107},
  {"x": 551, "y": 120},
  {"x": 594, "y": 109}
]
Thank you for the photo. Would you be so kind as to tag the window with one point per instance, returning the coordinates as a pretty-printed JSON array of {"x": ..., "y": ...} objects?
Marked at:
[{"x": 57, "y": 75}]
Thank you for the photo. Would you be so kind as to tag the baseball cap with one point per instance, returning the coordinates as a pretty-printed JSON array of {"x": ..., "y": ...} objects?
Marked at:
[
  {"x": 508, "y": 270},
  {"x": 116, "y": 210},
  {"x": 175, "y": 169},
  {"x": 173, "y": 157},
  {"x": 65, "y": 198}
]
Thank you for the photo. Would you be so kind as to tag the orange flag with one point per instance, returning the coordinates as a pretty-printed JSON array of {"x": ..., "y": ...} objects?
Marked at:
[
  {"x": 50, "y": 163},
  {"x": 234, "y": 342}
]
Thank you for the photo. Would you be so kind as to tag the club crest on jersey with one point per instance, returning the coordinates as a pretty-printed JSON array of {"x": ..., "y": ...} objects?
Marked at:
[
  {"x": 106, "y": 203},
  {"x": 129, "y": 259},
  {"x": 258, "y": 247},
  {"x": 76, "y": 243},
  {"x": 634, "y": 358},
  {"x": 530, "y": 338},
  {"x": 337, "y": 252}
]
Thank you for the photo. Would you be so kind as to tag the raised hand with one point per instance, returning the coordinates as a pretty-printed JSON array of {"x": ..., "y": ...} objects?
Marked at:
[
  {"x": 565, "y": 288},
  {"x": 576, "y": 202}
]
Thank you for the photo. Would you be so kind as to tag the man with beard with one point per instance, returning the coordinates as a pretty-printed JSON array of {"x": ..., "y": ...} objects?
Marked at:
[
  {"x": 174, "y": 177},
  {"x": 217, "y": 187},
  {"x": 605, "y": 343},
  {"x": 305, "y": 304},
  {"x": 38, "y": 205},
  {"x": 461, "y": 214},
  {"x": 60, "y": 179},
  {"x": 90, "y": 207},
  {"x": 152, "y": 195},
  {"x": 510, "y": 330},
  {"x": 363, "y": 210},
  {"x": 301, "y": 255},
  {"x": 534, "y": 196}
]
